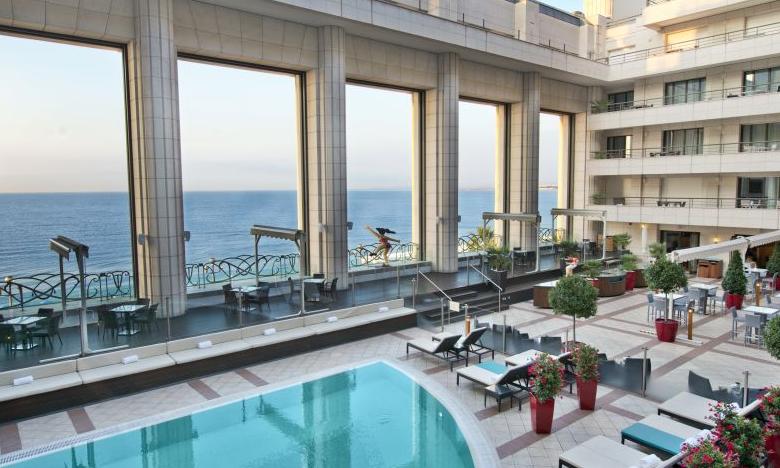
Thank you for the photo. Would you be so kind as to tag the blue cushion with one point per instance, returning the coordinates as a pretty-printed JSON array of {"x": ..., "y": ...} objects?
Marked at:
[
  {"x": 493, "y": 366},
  {"x": 653, "y": 438}
]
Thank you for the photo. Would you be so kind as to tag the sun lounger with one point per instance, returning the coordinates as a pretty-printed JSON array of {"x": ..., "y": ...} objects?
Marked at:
[
  {"x": 601, "y": 452},
  {"x": 444, "y": 349},
  {"x": 492, "y": 373},
  {"x": 659, "y": 433},
  {"x": 470, "y": 343},
  {"x": 697, "y": 410}
]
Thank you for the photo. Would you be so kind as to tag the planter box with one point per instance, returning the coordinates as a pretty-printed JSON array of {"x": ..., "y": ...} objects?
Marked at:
[{"x": 639, "y": 280}]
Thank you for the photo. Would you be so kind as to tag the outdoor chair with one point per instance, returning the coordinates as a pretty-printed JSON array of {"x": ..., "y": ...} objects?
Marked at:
[
  {"x": 50, "y": 328},
  {"x": 230, "y": 296},
  {"x": 10, "y": 337},
  {"x": 659, "y": 433},
  {"x": 471, "y": 343},
  {"x": 754, "y": 329},
  {"x": 146, "y": 318},
  {"x": 329, "y": 291},
  {"x": 600, "y": 452},
  {"x": 680, "y": 310},
  {"x": 736, "y": 319},
  {"x": 260, "y": 297},
  {"x": 768, "y": 283},
  {"x": 444, "y": 349},
  {"x": 702, "y": 387},
  {"x": 650, "y": 305},
  {"x": 110, "y": 324}
]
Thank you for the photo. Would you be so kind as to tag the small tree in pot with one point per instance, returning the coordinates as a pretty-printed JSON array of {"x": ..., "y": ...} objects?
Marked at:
[
  {"x": 772, "y": 337},
  {"x": 629, "y": 263},
  {"x": 546, "y": 380},
  {"x": 773, "y": 265},
  {"x": 586, "y": 368},
  {"x": 592, "y": 269},
  {"x": 499, "y": 262},
  {"x": 666, "y": 277},
  {"x": 621, "y": 241},
  {"x": 734, "y": 282},
  {"x": 576, "y": 297}
]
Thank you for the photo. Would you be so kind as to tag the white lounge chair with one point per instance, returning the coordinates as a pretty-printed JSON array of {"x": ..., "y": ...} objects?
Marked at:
[
  {"x": 445, "y": 349},
  {"x": 601, "y": 452}
]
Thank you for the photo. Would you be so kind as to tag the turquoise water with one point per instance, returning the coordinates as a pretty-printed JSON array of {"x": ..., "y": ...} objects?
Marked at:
[{"x": 372, "y": 416}]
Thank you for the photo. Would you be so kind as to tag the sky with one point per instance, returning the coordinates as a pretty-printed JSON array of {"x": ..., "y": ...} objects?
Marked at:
[{"x": 62, "y": 127}]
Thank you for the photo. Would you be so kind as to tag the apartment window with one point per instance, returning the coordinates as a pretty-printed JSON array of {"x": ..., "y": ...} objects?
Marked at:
[
  {"x": 761, "y": 81},
  {"x": 760, "y": 137},
  {"x": 752, "y": 187},
  {"x": 560, "y": 15},
  {"x": 679, "y": 92},
  {"x": 618, "y": 146},
  {"x": 620, "y": 101},
  {"x": 685, "y": 141}
]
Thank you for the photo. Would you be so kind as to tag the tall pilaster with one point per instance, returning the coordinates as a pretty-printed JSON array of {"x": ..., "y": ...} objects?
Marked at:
[
  {"x": 327, "y": 157},
  {"x": 441, "y": 167},
  {"x": 156, "y": 161}
]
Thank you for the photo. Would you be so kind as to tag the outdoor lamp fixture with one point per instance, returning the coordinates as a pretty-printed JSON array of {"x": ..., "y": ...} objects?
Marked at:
[
  {"x": 186, "y": 236},
  {"x": 350, "y": 225},
  {"x": 297, "y": 236},
  {"x": 63, "y": 247},
  {"x": 142, "y": 239}
]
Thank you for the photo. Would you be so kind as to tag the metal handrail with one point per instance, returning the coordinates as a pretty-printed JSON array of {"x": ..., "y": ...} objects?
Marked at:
[
  {"x": 500, "y": 289},
  {"x": 420, "y": 273},
  {"x": 690, "y": 202},
  {"x": 689, "y": 150}
]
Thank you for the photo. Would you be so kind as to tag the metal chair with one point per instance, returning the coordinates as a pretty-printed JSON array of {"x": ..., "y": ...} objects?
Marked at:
[
  {"x": 650, "y": 305},
  {"x": 295, "y": 290},
  {"x": 260, "y": 297},
  {"x": 50, "y": 328},
  {"x": 230, "y": 296},
  {"x": 330, "y": 290},
  {"x": 736, "y": 319},
  {"x": 10, "y": 337},
  {"x": 754, "y": 329},
  {"x": 146, "y": 318}
]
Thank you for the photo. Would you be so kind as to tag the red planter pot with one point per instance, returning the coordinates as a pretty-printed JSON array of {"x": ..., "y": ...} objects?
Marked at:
[
  {"x": 586, "y": 392},
  {"x": 777, "y": 283},
  {"x": 594, "y": 282},
  {"x": 773, "y": 450},
  {"x": 734, "y": 300},
  {"x": 666, "y": 330},
  {"x": 542, "y": 415},
  {"x": 630, "y": 280}
]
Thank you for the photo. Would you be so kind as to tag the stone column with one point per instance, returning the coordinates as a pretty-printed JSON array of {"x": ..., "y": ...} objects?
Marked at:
[
  {"x": 327, "y": 157},
  {"x": 156, "y": 160},
  {"x": 441, "y": 167}
]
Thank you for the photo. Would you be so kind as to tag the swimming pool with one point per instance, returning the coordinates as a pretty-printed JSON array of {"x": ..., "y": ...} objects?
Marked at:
[{"x": 370, "y": 416}]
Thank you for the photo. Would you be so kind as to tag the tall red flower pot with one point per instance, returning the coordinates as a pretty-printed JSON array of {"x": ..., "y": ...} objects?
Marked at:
[
  {"x": 542, "y": 415},
  {"x": 586, "y": 392},
  {"x": 630, "y": 280},
  {"x": 734, "y": 300},
  {"x": 773, "y": 450},
  {"x": 666, "y": 330},
  {"x": 777, "y": 283}
]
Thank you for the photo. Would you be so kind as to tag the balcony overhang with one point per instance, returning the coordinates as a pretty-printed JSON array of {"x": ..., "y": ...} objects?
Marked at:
[{"x": 661, "y": 14}]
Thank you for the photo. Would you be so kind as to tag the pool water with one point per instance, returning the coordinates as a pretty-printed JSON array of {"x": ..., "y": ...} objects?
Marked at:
[{"x": 371, "y": 416}]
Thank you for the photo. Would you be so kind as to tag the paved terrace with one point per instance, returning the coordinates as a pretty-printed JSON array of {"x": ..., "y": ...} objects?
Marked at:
[{"x": 616, "y": 330}]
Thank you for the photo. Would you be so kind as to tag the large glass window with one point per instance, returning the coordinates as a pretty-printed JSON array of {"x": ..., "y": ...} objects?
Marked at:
[
  {"x": 760, "y": 137},
  {"x": 63, "y": 161},
  {"x": 684, "y": 141},
  {"x": 761, "y": 81},
  {"x": 618, "y": 146},
  {"x": 679, "y": 92},
  {"x": 476, "y": 163},
  {"x": 239, "y": 145},
  {"x": 620, "y": 101}
]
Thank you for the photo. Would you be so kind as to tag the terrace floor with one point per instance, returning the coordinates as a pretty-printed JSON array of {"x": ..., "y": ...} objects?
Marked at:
[{"x": 617, "y": 330}]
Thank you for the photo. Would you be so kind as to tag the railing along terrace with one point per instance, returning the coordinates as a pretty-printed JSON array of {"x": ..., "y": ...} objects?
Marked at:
[
  {"x": 717, "y": 39},
  {"x": 656, "y": 2},
  {"x": 689, "y": 202},
  {"x": 368, "y": 254},
  {"x": 215, "y": 271},
  {"x": 47, "y": 288},
  {"x": 687, "y": 98},
  {"x": 689, "y": 150},
  {"x": 472, "y": 243}
]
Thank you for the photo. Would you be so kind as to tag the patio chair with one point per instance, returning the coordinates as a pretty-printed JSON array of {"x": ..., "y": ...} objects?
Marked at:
[
  {"x": 295, "y": 290},
  {"x": 260, "y": 296},
  {"x": 659, "y": 433},
  {"x": 650, "y": 305},
  {"x": 754, "y": 329},
  {"x": 50, "y": 328},
  {"x": 110, "y": 324},
  {"x": 736, "y": 319},
  {"x": 329, "y": 291},
  {"x": 230, "y": 296},
  {"x": 569, "y": 377},
  {"x": 701, "y": 386},
  {"x": 444, "y": 349},
  {"x": 10, "y": 337},
  {"x": 146, "y": 318},
  {"x": 680, "y": 310}
]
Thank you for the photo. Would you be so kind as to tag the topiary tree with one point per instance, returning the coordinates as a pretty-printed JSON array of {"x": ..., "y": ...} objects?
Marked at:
[
  {"x": 621, "y": 241},
  {"x": 772, "y": 337},
  {"x": 576, "y": 297},
  {"x": 773, "y": 265},
  {"x": 592, "y": 268},
  {"x": 667, "y": 277},
  {"x": 734, "y": 282},
  {"x": 657, "y": 250}
]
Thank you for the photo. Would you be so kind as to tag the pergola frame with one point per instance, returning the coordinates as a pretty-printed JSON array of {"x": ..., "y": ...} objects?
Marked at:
[
  {"x": 297, "y": 236},
  {"x": 63, "y": 246},
  {"x": 532, "y": 218},
  {"x": 600, "y": 214}
]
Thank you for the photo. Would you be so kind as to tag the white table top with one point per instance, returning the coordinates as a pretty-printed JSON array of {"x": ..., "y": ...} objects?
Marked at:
[
  {"x": 760, "y": 271},
  {"x": 547, "y": 284},
  {"x": 128, "y": 308},
  {"x": 674, "y": 296},
  {"x": 760, "y": 310},
  {"x": 524, "y": 358},
  {"x": 314, "y": 280},
  {"x": 23, "y": 320},
  {"x": 703, "y": 286}
]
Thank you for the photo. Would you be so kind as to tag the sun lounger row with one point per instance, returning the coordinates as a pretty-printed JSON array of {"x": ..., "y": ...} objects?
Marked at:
[{"x": 45, "y": 378}]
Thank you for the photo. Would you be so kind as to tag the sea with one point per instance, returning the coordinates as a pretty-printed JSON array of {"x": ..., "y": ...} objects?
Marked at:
[{"x": 218, "y": 222}]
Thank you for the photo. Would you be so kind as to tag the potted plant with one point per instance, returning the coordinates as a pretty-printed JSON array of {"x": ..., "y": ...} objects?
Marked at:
[
  {"x": 586, "y": 368},
  {"x": 499, "y": 262},
  {"x": 621, "y": 241},
  {"x": 707, "y": 454},
  {"x": 773, "y": 264},
  {"x": 545, "y": 384},
  {"x": 735, "y": 282},
  {"x": 569, "y": 248},
  {"x": 481, "y": 240},
  {"x": 598, "y": 106},
  {"x": 656, "y": 250},
  {"x": 629, "y": 264},
  {"x": 742, "y": 435},
  {"x": 667, "y": 277},
  {"x": 599, "y": 198},
  {"x": 592, "y": 269},
  {"x": 770, "y": 408},
  {"x": 574, "y": 296}
]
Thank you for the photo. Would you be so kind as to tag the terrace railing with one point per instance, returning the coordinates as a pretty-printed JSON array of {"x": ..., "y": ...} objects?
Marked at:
[
  {"x": 690, "y": 202},
  {"x": 369, "y": 254},
  {"x": 215, "y": 271},
  {"x": 46, "y": 288},
  {"x": 691, "y": 150}
]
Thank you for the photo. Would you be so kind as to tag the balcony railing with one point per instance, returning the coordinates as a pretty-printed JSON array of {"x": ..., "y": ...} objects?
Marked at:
[
  {"x": 688, "y": 202},
  {"x": 692, "y": 150},
  {"x": 656, "y": 2},
  {"x": 688, "y": 98},
  {"x": 717, "y": 39}
]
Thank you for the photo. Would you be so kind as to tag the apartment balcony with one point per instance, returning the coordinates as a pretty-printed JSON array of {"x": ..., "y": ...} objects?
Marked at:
[
  {"x": 725, "y": 158},
  {"x": 660, "y": 13},
  {"x": 707, "y": 105},
  {"x": 754, "y": 213},
  {"x": 736, "y": 46}
]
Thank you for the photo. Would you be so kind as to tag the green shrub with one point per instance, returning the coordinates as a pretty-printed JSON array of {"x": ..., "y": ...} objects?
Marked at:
[
  {"x": 657, "y": 249},
  {"x": 629, "y": 262},
  {"x": 498, "y": 258},
  {"x": 546, "y": 378},
  {"x": 586, "y": 362},
  {"x": 772, "y": 337},
  {"x": 592, "y": 268},
  {"x": 574, "y": 296},
  {"x": 734, "y": 282},
  {"x": 666, "y": 277},
  {"x": 569, "y": 248},
  {"x": 773, "y": 265},
  {"x": 621, "y": 241}
]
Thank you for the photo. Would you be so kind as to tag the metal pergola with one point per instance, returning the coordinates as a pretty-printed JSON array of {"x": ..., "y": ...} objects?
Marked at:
[
  {"x": 63, "y": 247},
  {"x": 599, "y": 214},
  {"x": 531, "y": 218},
  {"x": 297, "y": 236}
]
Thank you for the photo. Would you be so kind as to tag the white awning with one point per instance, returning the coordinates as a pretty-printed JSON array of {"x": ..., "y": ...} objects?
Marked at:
[
  {"x": 583, "y": 213},
  {"x": 764, "y": 238},
  {"x": 704, "y": 251},
  {"x": 521, "y": 217}
]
